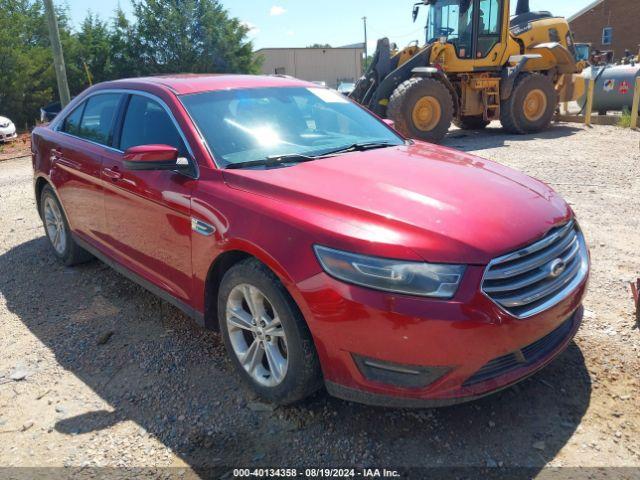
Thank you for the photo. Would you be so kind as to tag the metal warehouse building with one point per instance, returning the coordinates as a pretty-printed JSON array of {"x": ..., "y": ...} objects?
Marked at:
[{"x": 330, "y": 65}]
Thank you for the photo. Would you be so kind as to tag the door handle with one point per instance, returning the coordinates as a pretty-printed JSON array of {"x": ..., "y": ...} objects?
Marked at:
[
  {"x": 55, "y": 154},
  {"x": 112, "y": 173}
]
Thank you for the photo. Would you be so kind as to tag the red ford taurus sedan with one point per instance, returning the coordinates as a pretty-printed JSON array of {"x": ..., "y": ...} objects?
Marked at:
[{"x": 327, "y": 249}]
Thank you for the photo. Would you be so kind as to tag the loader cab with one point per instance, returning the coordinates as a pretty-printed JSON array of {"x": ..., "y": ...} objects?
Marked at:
[
  {"x": 583, "y": 52},
  {"x": 473, "y": 27}
]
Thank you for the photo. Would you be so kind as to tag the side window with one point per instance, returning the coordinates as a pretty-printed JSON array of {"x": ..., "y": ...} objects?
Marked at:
[
  {"x": 490, "y": 25},
  {"x": 464, "y": 42},
  {"x": 71, "y": 124},
  {"x": 489, "y": 17},
  {"x": 99, "y": 117},
  {"x": 147, "y": 123}
]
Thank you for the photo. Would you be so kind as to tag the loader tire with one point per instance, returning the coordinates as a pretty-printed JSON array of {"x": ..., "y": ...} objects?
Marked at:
[
  {"x": 471, "y": 123},
  {"x": 531, "y": 106},
  {"x": 422, "y": 108}
]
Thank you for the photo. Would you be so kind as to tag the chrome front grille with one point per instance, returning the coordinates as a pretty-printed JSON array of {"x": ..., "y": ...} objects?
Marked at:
[{"x": 534, "y": 279}]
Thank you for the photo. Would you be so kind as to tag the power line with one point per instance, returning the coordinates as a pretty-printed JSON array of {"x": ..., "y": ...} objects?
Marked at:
[{"x": 410, "y": 34}]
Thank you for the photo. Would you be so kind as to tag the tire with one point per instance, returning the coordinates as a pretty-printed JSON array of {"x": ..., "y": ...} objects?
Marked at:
[
  {"x": 287, "y": 345},
  {"x": 513, "y": 113},
  {"x": 411, "y": 102},
  {"x": 471, "y": 123},
  {"x": 55, "y": 223}
]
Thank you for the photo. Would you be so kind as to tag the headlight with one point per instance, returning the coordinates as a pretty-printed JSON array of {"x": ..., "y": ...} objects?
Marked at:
[{"x": 411, "y": 278}]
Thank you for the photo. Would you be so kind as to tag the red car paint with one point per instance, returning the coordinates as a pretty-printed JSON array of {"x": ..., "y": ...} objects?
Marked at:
[{"x": 414, "y": 202}]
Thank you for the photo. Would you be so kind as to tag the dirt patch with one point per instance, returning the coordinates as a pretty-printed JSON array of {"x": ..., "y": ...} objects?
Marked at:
[
  {"x": 95, "y": 371},
  {"x": 20, "y": 147}
]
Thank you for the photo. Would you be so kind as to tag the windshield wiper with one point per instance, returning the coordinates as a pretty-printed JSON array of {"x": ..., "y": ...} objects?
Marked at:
[
  {"x": 272, "y": 161},
  {"x": 361, "y": 147},
  {"x": 276, "y": 160}
]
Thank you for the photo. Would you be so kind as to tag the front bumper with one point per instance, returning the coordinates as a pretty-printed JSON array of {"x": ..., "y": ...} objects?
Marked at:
[
  {"x": 469, "y": 338},
  {"x": 7, "y": 134}
]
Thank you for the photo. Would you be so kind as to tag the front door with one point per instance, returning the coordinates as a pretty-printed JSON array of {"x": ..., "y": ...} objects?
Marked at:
[{"x": 148, "y": 213}]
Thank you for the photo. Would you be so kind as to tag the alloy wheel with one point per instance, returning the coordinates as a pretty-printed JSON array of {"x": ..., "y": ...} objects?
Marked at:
[
  {"x": 54, "y": 223},
  {"x": 257, "y": 336}
]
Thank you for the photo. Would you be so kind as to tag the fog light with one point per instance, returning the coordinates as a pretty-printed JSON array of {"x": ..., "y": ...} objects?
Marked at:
[{"x": 398, "y": 375}]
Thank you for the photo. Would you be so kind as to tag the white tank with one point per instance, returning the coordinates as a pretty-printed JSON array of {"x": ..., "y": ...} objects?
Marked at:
[{"x": 614, "y": 87}]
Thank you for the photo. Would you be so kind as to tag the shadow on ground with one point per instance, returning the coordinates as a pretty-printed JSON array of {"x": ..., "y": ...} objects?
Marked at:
[
  {"x": 494, "y": 137},
  {"x": 161, "y": 371}
]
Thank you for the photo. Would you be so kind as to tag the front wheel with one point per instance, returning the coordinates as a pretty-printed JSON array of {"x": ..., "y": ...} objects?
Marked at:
[
  {"x": 266, "y": 336},
  {"x": 422, "y": 108}
]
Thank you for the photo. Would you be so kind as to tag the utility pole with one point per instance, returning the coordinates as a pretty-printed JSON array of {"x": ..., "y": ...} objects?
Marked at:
[
  {"x": 366, "y": 48},
  {"x": 58, "y": 57}
]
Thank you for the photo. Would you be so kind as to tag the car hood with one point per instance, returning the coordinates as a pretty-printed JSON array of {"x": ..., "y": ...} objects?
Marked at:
[{"x": 445, "y": 205}]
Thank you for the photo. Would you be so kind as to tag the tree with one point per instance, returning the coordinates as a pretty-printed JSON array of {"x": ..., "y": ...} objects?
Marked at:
[
  {"x": 165, "y": 36},
  {"x": 94, "y": 56},
  {"x": 197, "y": 36},
  {"x": 27, "y": 78},
  {"x": 320, "y": 45},
  {"x": 123, "y": 47},
  {"x": 367, "y": 62}
]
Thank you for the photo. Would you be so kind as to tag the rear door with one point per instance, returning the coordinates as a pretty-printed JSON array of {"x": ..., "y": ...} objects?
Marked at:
[
  {"x": 80, "y": 143},
  {"x": 148, "y": 213}
]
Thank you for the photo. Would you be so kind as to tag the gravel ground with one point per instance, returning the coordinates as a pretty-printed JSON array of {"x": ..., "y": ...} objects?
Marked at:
[{"x": 95, "y": 371}]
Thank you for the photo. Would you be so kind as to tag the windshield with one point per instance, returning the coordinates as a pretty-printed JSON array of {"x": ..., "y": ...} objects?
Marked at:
[
  {"x": 454, "y": 21},
  {"x": 254, "y": 124}
]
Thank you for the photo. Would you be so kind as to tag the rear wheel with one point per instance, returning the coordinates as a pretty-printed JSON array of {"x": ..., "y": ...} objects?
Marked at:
[
  {"x": 531, "y": 106},
  {"x": 471, "y": 123},
  {"x": 266, "y": 336},
  {"x": 58, "y": 231},
  {"x": 422, "y": 108}
]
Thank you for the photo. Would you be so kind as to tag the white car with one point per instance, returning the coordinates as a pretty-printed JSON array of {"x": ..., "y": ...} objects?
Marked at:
[
  {"x": 346, "y": 88},
  {"x": 7, "y": 130}
]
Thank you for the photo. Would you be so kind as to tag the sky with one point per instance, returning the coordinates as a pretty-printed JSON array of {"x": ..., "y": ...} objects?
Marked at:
[{"x": 300, "y": 23}]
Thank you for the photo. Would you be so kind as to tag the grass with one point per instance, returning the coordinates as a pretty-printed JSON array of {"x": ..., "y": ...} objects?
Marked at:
[{"x": 625, "y": 119}]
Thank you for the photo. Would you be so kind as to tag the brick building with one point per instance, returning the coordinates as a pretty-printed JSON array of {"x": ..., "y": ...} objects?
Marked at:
[{"x": 609, "y": 25}]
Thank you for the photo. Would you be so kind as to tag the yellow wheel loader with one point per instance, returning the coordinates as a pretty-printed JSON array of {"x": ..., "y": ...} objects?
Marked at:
[{"x": 478, "y": 64}]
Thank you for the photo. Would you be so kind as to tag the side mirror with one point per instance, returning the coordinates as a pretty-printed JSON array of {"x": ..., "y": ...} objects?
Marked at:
[
  {"x": 389, "y": 122},
  {"x": 416, "y": 11},
  {"x": 153, "y": 157}
]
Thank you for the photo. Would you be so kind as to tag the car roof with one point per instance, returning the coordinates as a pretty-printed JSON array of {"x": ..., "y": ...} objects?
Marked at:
[{"x": 197, "y": 83}]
